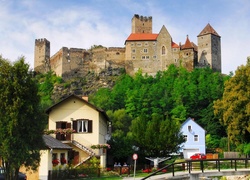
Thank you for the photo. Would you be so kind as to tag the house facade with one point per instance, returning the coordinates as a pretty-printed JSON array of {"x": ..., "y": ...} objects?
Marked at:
[
  {"x": 80, "y": 126},
  {"x": 194, "y": 136}
]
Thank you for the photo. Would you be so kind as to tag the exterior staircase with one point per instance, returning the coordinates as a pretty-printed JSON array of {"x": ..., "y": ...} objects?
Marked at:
[{"x": 84, "y": 148}]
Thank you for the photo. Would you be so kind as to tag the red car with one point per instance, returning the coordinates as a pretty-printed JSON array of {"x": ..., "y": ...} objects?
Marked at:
[{"x": 198, "y": 156}]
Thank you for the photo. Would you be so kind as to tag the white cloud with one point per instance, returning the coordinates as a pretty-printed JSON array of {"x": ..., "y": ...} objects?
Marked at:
[{"x": 82, "y": 24}]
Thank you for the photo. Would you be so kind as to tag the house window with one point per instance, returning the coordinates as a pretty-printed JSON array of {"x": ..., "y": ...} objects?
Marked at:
[
  {"x": 196, "y": 138},
  {"x": 185, "y": 137},
  {"x": 63, "y": 125},
  {"x": 163, "y": 50},
  {"x": 189, "y": 128},
  {"x": 63, "y": 159},
  {"x": 82, "y": 126}
]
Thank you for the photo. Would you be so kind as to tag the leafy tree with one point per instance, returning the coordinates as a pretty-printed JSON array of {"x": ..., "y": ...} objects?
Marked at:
[
  {"x": 234, "y": 107},
  {"x": 121, "y": 145},
  {"x": 156, "y": 136},
  {"x": 46, "y": 84},
  {"x": 21, "y": 120}
]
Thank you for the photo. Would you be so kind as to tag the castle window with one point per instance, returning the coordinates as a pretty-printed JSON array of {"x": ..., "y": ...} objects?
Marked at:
[
  {"x": 133, "y": 57},
  {"x": 138, "y": 44},
  {"x": 146, "y": 44},
  {"x": 163, "y": 50},
  {"x": 147, "y": 57},
  {"x": 154, "y": 57},
  {"x": 145, "y": 50},
  {"x": 154, "y": 43},
  {"x": 132, "y": 44},
  {"x": 143, "y": 57},
  {"x": 117, "y": 53},
  {"x": 133, "y": 51}
]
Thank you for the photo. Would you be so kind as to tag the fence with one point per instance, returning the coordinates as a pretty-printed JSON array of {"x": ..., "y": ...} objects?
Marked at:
[{"x": 89, "y": 173}]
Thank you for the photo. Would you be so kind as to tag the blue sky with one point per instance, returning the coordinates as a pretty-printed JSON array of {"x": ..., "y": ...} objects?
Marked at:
[{"x": 83, "y": 23}]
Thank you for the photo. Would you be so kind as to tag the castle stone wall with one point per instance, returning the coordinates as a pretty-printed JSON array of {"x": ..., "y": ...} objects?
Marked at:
[{"x": 154, "y": 53}]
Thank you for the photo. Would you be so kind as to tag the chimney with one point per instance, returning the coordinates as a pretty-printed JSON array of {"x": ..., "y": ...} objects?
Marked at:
[{"x": 86, "y": 98}]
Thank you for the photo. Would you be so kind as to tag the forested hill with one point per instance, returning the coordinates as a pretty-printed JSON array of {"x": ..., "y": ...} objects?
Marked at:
[{"x": 142, "y": 105}]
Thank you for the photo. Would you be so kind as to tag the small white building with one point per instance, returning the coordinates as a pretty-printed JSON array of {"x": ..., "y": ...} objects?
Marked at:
[
  {"x": 55, "y": 151},
  {"x": 194, "y": 135}
]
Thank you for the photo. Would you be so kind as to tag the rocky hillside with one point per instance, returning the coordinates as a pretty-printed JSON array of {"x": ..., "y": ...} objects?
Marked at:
[{"x": 85, "y": 86}]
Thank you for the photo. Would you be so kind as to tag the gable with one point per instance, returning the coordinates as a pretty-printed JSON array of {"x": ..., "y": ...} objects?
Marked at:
[
  {"x": 191, "y": 122},
  {"x": 73, "y": 102}
]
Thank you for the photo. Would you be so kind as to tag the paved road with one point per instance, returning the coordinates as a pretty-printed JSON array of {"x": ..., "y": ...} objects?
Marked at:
[{"x": 185, "y": 174}]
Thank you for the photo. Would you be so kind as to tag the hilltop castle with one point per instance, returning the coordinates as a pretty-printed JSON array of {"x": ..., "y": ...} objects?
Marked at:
[{"x": 150, "y": 52}]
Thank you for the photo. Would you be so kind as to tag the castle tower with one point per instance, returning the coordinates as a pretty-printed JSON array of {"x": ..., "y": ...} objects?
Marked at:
[
  {"x": 141, "y": 24},
  {"x": 188, "y": 55},
  {"x": 209, "y": 48},
  {"x": 42, "y": 55}
]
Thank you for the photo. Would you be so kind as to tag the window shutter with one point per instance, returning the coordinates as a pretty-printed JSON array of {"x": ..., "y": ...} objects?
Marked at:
[
  {"x": 90, "y": 126},
  {"x": 75, "y": 125},
  {"x": 58, "y": 135},
  {"x": 58, "y": 125},
  {"x": 68, "y": 136},
  {"x": 68, "y": 125}
]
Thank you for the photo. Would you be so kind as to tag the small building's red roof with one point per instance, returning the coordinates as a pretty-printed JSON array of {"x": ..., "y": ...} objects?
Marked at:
[
  {"x": 188, "y": 44},
  {"x": 174, "y": 45},
  {"x": 142, "y": 37}
]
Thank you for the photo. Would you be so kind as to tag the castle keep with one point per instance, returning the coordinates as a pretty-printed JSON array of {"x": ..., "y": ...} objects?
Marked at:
[{"x": 150, "y": 52}]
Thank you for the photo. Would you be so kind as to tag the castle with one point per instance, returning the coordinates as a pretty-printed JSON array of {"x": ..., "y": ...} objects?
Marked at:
[{"x": 150, "y": 52}]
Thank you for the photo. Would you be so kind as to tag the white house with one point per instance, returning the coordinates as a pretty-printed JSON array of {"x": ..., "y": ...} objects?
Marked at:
[
  {"x": 194, "y": 135},
  {"x": 88, "y": 126}
]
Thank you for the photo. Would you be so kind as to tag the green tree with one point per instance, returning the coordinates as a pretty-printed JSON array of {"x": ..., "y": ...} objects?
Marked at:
[
  {"x": 46, "y": 84},
  {"x": 156, "y": 136},
  {"x": 121, "y": 145},
  {"x": 233, "y": 108},
  {"x": 21, "y": 120}
]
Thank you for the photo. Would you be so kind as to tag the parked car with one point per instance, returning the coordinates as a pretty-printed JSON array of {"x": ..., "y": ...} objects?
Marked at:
[
  {"x": 21, "y": 176},
  {"x": 198, "y": 156}
]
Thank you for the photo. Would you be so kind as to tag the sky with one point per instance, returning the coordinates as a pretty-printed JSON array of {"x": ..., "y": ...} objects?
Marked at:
[{"x": 84, "y": 23}]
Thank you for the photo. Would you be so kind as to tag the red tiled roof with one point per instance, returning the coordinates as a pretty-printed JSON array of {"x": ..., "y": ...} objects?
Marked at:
[
  {"x": 142, "y": 37},
  {"x": 208, "y": 30},
  {"x": 174, "y": 45},
  {"x": 188, "y": 44}
]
